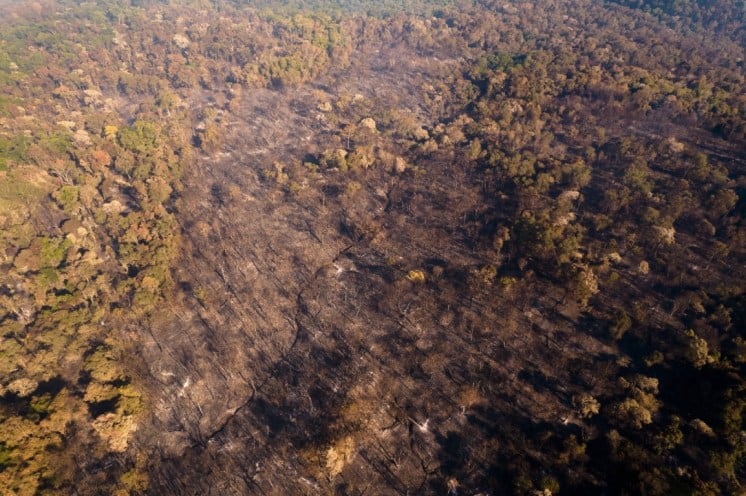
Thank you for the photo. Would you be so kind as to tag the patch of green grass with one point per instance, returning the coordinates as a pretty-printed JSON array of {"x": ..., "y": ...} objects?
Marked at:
[
  {"x": 6, "y": 104},
  {"x": 13, "y": 149},
  {"x": 56, "y": 143}
]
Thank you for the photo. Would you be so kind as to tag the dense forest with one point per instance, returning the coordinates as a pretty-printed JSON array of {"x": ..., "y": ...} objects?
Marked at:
[{"x": 354, "y": 247}]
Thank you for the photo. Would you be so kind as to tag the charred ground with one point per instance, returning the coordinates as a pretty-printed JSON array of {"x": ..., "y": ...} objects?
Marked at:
[{"x": 370, "y": 328}]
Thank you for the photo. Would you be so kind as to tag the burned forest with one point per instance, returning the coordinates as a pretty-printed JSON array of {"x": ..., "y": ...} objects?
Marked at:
[{"x": 372, "y": 248}]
